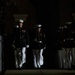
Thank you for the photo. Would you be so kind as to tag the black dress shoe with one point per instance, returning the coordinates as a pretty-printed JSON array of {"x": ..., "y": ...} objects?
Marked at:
[{"x": 20, "y": 68}]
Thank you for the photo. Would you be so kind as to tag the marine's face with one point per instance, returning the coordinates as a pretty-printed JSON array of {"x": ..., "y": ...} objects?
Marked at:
[
  {"x": 21, "y": 24},
  {"x": 39, "y": 29}
]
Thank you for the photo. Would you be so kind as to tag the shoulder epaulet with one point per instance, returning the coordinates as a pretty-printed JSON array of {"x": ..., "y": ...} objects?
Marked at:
[{"x": 16, "y": 26}]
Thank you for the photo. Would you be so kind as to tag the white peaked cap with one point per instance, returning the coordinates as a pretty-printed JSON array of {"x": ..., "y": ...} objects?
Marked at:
[
  {"x": 39, "y": 25},
  {"x": 21, "y": 20}
]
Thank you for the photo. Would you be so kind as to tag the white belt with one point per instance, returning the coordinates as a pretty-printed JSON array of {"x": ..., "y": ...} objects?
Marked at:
[
  {"x": 40, "y": 41},
  {"x": 70, "y": 39}
]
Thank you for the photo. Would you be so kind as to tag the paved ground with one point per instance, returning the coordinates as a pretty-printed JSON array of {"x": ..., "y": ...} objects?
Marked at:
[{"x": 39, "y": 72}]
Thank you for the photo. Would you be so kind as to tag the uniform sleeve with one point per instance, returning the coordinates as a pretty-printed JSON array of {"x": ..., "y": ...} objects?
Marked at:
[
  {"x": 27, "y": 38},
  {"x": 44, "y": 40},
  {"x": 14, "y": 35}
]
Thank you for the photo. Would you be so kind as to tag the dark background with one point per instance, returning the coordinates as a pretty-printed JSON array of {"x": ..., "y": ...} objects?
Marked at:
[{"x": 50, "y": 13}]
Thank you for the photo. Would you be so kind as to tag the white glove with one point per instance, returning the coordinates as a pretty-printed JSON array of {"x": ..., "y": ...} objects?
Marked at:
[{"x": 27, "y": 46}]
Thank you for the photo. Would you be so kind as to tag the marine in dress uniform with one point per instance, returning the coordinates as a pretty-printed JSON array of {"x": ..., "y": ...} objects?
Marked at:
[
  {"x": 21, "y": 42},
  {"x": 38, "y": 45}
]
